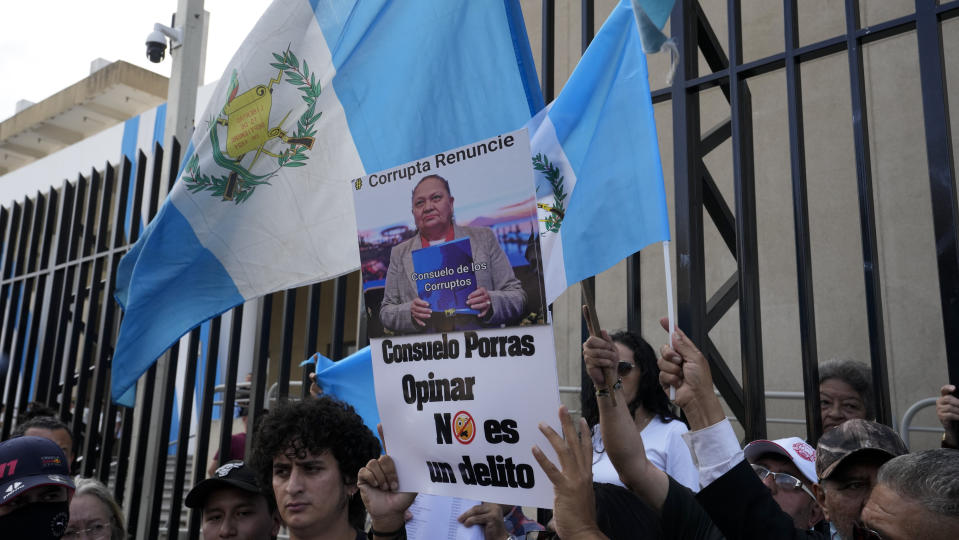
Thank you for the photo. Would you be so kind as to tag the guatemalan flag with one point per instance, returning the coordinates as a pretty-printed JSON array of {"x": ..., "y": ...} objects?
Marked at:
[
  {"x": 320, "y": 92},
  {"x": 598, "y": 172}
]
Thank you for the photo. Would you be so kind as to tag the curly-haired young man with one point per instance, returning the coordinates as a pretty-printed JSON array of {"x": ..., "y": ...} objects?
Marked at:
[{"x": 310, "y": 452}]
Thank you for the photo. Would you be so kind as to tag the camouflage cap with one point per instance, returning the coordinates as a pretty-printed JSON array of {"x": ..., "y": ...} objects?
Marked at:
[{"x": 852, "y": 437}]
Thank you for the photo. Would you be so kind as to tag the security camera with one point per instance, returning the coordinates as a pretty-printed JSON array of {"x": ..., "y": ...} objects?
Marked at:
[
  {"x": 156, "y": 46},
  {"x": 156, "y": 41}
]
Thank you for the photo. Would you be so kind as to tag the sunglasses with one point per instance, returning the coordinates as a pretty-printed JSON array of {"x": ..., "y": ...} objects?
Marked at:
[
  {"x": 861, "y": 532},
  {"x": 623, "y": 368},
  {"x": 783, "y": 481}
]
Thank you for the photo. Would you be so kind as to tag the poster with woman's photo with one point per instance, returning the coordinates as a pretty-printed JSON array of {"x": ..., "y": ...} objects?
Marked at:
[{"x": 450, "y": 242}]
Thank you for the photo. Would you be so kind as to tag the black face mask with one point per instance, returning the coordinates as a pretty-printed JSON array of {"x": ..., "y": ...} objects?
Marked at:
[{"x": 37, "y": 521}]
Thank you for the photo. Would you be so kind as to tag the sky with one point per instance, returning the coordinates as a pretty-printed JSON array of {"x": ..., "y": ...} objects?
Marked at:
[{"x": 48, "y": 45}]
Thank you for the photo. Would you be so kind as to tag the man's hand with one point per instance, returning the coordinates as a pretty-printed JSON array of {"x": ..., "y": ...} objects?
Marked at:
[
  {"x": 947, "y": 410},
  {"x": 378, "y": 485},
  {"x": 480, "y": 301},
  {"x": 486, "y": 515},
  {"x": 683, "y": 367},
  {"x": 574, "y": 506},
  {"x": 420, "y": 311},
  {"x": 600, "y": 355}
]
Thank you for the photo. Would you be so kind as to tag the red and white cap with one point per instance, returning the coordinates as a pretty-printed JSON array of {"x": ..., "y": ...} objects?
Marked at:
[{"x": 801, "y": 453}]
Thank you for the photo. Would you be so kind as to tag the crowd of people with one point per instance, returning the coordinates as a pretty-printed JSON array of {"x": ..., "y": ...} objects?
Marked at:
[{"x": 630, "y": 468}]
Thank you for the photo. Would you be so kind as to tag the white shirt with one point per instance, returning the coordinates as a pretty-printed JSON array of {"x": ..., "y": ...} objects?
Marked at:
[{"x": 664, "y": 448}]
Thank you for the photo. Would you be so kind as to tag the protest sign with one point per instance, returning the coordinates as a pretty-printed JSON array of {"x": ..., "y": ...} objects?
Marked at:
[
  {"x": 461, "y": 410},
  {"x": 450, "y": 242},
  {"x": 463, "y": 362}
]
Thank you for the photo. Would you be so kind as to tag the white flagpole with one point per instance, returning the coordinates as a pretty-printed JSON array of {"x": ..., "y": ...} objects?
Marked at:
[{"x": 670, "y": 311}]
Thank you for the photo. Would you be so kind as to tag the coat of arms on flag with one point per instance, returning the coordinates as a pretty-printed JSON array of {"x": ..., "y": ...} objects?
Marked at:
[
  {"x": 249, "y": 136},
  {"x": 319, "y": 92}
]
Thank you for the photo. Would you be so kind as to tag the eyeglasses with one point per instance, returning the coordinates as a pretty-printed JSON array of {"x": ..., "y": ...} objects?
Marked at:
[
  {"x": 783, "y": 481},
  {"x": 623, "y": 368},
  {"x": 95, "y": 531},
  {"x": 861, "y": 532}
]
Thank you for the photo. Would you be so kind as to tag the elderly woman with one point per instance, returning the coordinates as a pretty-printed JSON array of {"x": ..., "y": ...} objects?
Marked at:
[
  {"x": 845, "y": 392},
  {"x": 661, "y": 432},
  {"x": 94, "y": 513},
  {"x": 499, "y": 296}
]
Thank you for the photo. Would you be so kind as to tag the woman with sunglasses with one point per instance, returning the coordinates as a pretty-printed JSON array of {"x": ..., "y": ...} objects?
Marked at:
[{"x": 658, "y": 426}]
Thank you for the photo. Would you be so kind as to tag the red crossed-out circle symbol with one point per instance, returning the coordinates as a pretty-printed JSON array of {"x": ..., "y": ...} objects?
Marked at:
[{"x": 464, "y": 428}]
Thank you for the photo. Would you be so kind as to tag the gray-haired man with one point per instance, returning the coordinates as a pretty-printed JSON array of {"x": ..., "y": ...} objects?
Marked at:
[{"x": 916, "y": 496}]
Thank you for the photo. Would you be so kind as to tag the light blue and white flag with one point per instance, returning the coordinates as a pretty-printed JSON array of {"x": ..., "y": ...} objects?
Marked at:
[
  {"x": 350, "y": 380},
  {"x": 320, "y": 92},
  {"x": 599, "y": 177}
]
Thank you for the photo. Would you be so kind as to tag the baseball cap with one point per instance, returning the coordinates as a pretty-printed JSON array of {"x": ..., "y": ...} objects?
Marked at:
[
  {"x": 29, "y": 462},
  {"x": 801, "y": 453},
  {"x": 233, "y": 474},
  {"x": 854, "y": 437}
]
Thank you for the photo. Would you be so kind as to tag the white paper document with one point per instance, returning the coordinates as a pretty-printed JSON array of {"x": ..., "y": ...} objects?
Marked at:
[{"x": 434, "y": 516}]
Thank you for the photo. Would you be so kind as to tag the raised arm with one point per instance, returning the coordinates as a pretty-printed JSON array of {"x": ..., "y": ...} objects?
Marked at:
[
  {"x": 684, "y": 368},
  {"x": 621, "y": 439}
]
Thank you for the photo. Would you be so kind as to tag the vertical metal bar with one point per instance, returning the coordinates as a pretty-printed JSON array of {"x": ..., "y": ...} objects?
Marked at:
[
  {"x": 229, "y": 383},
  {"x": 53, "y": 328},
  {"x": 174, "y": 163},
  {"x": 139, "y": 460},
  {"x": 797, "y": 164},
  {"x": 588, "y": 18},
  {"x": 312, "y": 336},
  {"x": 158, "y": 469},
  {"x": 339, "y": 318},
  {"x": 205, "y": 417},
  {"x": 747, "y": 259},
  {"x": 136, "y": 211},
  {"x": 45, "y": 296},
  {"x": 634, "y": 297},
  {"x": 942, "y": 181},
  {"x": 261, "y": 364},
  {"x": 121, "y": 217},
  {"x": 286, "y": 343},
  {"x": 123, "y": 453},
  {"x": 155, "y": 183},
  {"x": 690, "y": 254},
  {"x": 548, "y": 61},
  {"x": 105, "y": 457},
  {"x": 867, "y": 218},
  {"x": 183, "y": 437}
]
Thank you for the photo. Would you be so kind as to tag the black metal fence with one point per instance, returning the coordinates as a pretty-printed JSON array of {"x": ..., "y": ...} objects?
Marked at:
[{"x": 61, "y": 249}]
